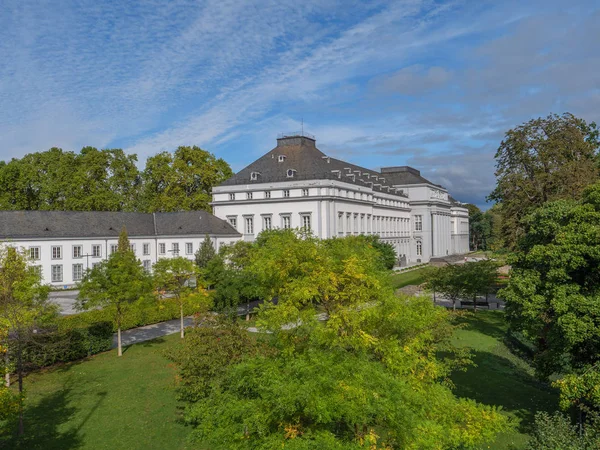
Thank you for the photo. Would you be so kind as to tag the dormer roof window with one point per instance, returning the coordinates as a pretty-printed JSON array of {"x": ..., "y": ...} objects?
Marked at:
[
  {"x": 254, "y": 176},
  {"x": 281, "y": 158},
  {"x": 327, "y": 158},
  {"x": 291, "y": 173},
  {"x": 338, "y": 173}
]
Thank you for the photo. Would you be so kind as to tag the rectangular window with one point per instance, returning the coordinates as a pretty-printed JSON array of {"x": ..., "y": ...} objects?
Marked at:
[
  {"x": 162, "y": 248},
  {"x": 286, "y": 222},
  {"x": 304, "y": 192},
  {"x": 175, "y": 248},
  {"x": 266, "y": 222},
  {"x": 306, "y": 222},
  {"x": 418, "y": 223},
  {"x": 147, "y": 265},
  {"x": 114, "y": 248},
  {"x": 249, "y": 225},
  {"x": 57, "y": 253},
  {"x": 77, "y": 251},
  {"x": 146, "y": 249},
  {"x": 286, "y": 193},
  {"x": 419, "y": 248},
  {"x": 96, "y": 251},
  {"x": 340, "y": 223},
  {"x": 77, "y": 272},
  {"x": 132, "y": 247},
  {"x": 267, "y": 194},
  {"x": 233, "y": 222},
  {"x": 57, "y": 273},
  {"x": 189, "y": 248},
  {"x": 232, "y": 196},
  {"x": 249, "y": 195},
  {"x": 34, "y": 253},
  {"x": 37, "y": 270}
]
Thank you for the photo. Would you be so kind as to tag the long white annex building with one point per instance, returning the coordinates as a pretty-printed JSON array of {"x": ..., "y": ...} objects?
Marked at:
[
  {"x": 296, "y": 185},
  {"x": 64, "y": 244}
]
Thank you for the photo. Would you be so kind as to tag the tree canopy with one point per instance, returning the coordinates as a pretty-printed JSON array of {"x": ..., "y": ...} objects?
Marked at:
[
  {"x": 545, "y": 159},
  {"x": 553, "y": 296},
  {"x": 370, "y": 376},
  {"x": 109, "y": 180}
]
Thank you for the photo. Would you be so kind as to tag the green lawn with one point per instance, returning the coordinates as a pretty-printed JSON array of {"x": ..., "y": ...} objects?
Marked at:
[
  {"x": 500, "y": 377},
  {"x": 106, "y": 403},
  {"x": 416, "y": 276},
  {"x": 130, "y": 402}
]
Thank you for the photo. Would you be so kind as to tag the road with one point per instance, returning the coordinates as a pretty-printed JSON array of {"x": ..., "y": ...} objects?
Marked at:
[{"x": 65, "y": 300}]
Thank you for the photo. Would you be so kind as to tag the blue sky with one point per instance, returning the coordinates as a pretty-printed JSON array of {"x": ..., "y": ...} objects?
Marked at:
[{"x": 431, "y": 84}]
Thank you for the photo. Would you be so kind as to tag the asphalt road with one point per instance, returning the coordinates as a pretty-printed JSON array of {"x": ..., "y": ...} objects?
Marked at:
[{"x": 65, "y": 300}]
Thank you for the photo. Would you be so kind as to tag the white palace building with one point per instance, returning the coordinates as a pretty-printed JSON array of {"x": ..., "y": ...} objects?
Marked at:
[{"x": 295, "y": 185}]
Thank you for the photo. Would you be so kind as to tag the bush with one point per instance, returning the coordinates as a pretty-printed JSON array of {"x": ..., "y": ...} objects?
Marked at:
[
  {"x": 54, "y": 346},
  {"x": 136, "y": 316},
  {"x": 556, "y": 431}
]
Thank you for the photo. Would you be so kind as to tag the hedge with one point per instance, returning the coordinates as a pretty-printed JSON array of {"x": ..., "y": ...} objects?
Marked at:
[
  {"x": 53, "y": 346},
  {"x": 136, "y": 315}
]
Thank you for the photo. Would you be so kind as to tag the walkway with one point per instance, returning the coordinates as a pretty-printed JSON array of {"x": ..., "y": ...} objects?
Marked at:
[{"x": 149, "y": 332}]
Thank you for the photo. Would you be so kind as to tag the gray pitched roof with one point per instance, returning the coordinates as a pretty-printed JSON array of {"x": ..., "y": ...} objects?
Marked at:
[
  {"x": 105, "y": 224},
  {"x": 309, "y": 163}
]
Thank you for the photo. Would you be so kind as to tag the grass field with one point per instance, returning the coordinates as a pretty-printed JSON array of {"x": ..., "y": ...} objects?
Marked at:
[
  {"x": 106, "y": 403},
  {"x": 416, "y": 276},
  {"x": 500, "y": 377},
  {"x": 130, "y": 402}
]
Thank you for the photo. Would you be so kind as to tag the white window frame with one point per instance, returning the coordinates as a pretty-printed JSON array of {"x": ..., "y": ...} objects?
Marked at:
[
  {"x": 305, "y": 220},
  {"x": 419, "y": 245},
  {"x": 147, "y": 263},
  {"x": 77, "y": 251},
  {"x": 53, "y": 268},
  {"x": 189, "y": 248},
  {"x": 305, "y": 192},
  {"x": 114, "y": 248},
  {"x": 232, "y": 221},
  {"x": 267, "y": 194},
  {"x": 98, "y": 253},
  {"x": 146, "y": 248},
  {"x": 175, "y": 248},
  {"x": 162, "y": 248},
  {"x": 267, "y": 220},
  {"x": 56, "y": 252},
  {"x": 248, "y": 224},
  {"x": 232, "y": 196},
  {"x": 35, "y": 253},
  {"x": 248, "y": 195},
  {"x": 286, "y": 193},
  {"x": 418, "y": 223},
  {"x": 286, "y": 221},
  {"x": 77, "y": 272}
]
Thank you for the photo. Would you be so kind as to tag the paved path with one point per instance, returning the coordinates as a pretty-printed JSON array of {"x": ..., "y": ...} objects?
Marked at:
[
  {"x": 65, "y": 301},
  {"x": 148, "y": 332}
]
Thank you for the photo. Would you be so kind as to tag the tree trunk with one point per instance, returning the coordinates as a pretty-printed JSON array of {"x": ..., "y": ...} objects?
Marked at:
[
  {"x": 7, "y": 362},
  {"x": 475, "y": 303},
  {"x": 247, "y": 311},
  {"x": 20, "y": 377},
  {"x": 453, "y": 304},
  {"x": 119, "y": 348},
  {"x": 181, "y": 317}
]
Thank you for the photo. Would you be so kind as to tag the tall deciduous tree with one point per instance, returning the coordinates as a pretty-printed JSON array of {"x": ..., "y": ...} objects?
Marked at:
[
  {"x": 23, "y": 306},
  {"x": 553, "y": 295},
  {"x": 116, "y": 283},
  {"x": 182, "y": 180},
  {"x": 176, "y": 276},
  {"x": 542, "y": 160}
]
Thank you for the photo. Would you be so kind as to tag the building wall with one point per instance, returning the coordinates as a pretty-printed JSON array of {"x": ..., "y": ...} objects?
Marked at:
[{"x": 86, "y": 261}]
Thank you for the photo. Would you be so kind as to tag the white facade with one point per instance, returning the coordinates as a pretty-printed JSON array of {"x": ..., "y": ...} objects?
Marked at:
[
  {"x": 417, "y": 218},
  {"x": 64, "y": 261}
]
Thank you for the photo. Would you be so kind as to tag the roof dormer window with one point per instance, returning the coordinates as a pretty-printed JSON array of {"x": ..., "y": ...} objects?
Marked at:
[
  {"x": 254, "y": 176},
  {"x": 291, "y": 173},
  {"x": 281, "y": 158}
]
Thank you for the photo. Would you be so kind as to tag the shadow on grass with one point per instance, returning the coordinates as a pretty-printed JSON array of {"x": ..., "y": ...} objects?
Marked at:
[
  {"x": 42, "y": 425},
  {"x": 497, "y": 381},
  {"x": 490, "y": 323}
]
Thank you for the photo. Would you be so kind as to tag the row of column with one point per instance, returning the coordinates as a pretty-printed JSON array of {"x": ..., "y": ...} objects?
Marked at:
[{"x": 358, "y": 223}]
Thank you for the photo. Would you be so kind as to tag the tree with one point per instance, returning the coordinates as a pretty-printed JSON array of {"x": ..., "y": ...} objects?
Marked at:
[
  {"x": 23, "y": 307},
  {"x": 183, "y": 180},
  {"x": 387, "y": 253},
  {"x": 116, "y": 283},
  {"x": 449, "y": 281},
  {"x": 555, "y": 431},
  {"x": 176, "y": 276},
  {"x": 370, "y": 376},
  {"x": 552, "y": 296},
  {"x": 205, "y": 253},
  {"x": 543, "y": 160}
]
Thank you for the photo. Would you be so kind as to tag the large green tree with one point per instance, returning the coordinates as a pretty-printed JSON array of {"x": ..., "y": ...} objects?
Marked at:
[
  {"x": 24, "y": 306},
  {"x": 369, "y": 376},
  {"x": 178, "y": 277},
  {"x": 182, "y": 180},
  {"x": 543, "y": 160},
  {"x": 553, "y": 295},
  {"x": 116, "y": 283}
]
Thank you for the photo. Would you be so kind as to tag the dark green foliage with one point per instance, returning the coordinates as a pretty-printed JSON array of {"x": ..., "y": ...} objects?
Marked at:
[
  {"x": 50, "y": 347},
  {"x": 483, "y": 228},
  {"x": 387, "y": 254},
  {"x": 205, "y": 253},
  {"x": 543, "y": 160},
  {"x": 553, "y": 432}
]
